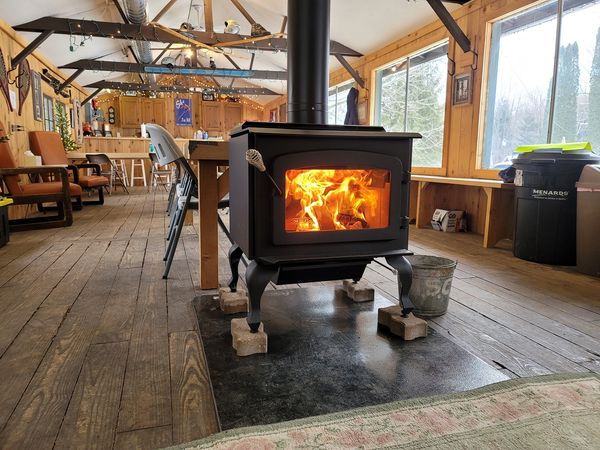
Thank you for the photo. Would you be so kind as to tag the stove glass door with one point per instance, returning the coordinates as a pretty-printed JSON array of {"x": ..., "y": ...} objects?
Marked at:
[{"x": 336, "y": 199}]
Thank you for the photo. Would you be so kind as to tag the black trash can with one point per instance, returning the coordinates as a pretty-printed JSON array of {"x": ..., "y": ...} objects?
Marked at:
[{"x": 546, "y": 202}]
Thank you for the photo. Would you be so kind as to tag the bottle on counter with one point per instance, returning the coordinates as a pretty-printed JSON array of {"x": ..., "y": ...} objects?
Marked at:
[{"x": 205, "y": 135}]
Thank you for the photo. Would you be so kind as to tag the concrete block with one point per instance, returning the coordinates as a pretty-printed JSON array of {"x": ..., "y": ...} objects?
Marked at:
[
  {"x": 359, "y": 292},
  {"x": 245, "y": 342},
  {"x": 233, "y": 302},
  {"x": 407, "y": 328}
]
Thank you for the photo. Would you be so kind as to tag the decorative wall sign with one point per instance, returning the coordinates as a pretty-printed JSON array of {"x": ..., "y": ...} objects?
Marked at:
[
  {"x": 462, "y": 89},
  {"x": 111, "y": 115},
  {"x": 23, "y": 83},
  {"x": 36, "y": 95},
  {"x": 4, "y": 80},
  {"x": 183, "y": 112},
  {"x": 208, "y": 97}
]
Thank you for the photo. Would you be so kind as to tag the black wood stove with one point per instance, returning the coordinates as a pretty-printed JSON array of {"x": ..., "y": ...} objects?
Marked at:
[{"x": 316, "y": 202}]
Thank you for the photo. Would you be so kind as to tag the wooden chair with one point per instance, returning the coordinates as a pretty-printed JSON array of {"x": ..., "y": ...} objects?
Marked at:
[
  {"x": 59, "y": 192},
  {"x": 49, "y": 146}
]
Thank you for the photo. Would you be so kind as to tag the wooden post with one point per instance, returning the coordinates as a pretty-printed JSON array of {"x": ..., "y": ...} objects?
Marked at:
[{"x": 207, "y": 209}]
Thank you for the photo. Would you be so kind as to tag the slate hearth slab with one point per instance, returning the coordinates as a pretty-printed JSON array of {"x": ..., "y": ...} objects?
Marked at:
[{"x": 326, "y": 355}]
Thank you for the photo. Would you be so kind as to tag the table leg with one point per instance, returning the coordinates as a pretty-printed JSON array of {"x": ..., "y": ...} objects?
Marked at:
[{"x": 207, "y": 211}]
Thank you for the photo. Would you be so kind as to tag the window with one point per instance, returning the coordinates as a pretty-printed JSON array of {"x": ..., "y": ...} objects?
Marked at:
[
  {"x": 411, "y": 96},
  {"x": 535, "y": 93},
  {"x": 337, "y": 103},
  {"x": 48, "y": 113}
]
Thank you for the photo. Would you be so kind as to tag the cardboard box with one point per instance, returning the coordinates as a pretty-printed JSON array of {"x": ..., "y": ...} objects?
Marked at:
[{"x": 450, "y": 221}]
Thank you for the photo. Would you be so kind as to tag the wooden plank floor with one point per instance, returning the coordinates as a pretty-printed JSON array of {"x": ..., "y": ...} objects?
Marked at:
[{"x": 97, "y": 351}]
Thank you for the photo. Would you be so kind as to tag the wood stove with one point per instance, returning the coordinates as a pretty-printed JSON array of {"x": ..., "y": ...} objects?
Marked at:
[
  {"x": 339, "y": 199},
  {"x": 325, "y": 199}
]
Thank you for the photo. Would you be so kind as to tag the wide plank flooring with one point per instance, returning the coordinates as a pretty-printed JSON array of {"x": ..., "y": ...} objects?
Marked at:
[{"x": 97, "y": 351}]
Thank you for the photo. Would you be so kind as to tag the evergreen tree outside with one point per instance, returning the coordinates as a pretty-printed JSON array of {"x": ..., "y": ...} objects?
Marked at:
[
  {"x": 424, "y": 105},
  {"x": 594, "y": 98},
  {"x": 426, "y": 101},
  {"x": 63, "y": 128},
  {"x": 564, "y": 125}
]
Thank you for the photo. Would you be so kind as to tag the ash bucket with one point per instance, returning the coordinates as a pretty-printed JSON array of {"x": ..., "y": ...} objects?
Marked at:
[{"x": 431, "y": 283}]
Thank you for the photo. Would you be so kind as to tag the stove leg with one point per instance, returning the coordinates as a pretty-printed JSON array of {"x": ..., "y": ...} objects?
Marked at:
[
  {"x": 235, "y": 254},
  {"x": 257, "y": 278},
  {"x": 405, "y": 273}
]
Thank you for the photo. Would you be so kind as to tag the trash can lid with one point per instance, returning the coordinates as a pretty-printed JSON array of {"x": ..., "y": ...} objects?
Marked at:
[
  {"x": 556, "y": 148},
  {"x": 590, "y": 177},
  {"x": 576, "y": 153}
]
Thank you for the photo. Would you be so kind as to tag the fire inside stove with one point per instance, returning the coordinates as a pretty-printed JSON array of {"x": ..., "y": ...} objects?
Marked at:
[{"x": 336, "y": 199}]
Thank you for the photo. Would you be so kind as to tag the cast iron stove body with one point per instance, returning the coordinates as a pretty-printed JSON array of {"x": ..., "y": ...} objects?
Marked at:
[{"x": 341, "y": 199}]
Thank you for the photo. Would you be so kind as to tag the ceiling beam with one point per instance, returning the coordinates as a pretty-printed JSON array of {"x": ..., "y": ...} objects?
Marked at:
[
  {"x": 30, "y": 48},
  {"x": 135, "y": 58},
  {"x": 283, "y": 24},
  {"x": 184, "y": 89},
  {"x": 244, "y": 12},
  {"x": 121, "y": 12},
  {"x": 163, "y": 11},
  {"x": 156, "y": 34},
  {"x": 208, "y": 17},
  {"x": 233, "y": 63},
  {"x": 162, "y": 52},
  {"x": 68, "y": 81},
  {"x": 444, "y": 15},
  {"x": 91, "y": 96},
  {"x": 116, "y": 66},
  {"x": 351, "y": 70}
]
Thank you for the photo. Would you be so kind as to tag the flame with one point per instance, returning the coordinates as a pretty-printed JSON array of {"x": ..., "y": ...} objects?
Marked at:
[{"x": 335, "y": 199}]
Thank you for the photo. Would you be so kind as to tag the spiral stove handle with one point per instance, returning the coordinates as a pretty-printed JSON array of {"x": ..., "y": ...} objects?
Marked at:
[{"x": 255, "y": 159}]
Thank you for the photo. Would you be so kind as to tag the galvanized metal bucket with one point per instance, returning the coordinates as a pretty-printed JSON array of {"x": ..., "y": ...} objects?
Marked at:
[{"x": 432, "y": 281}]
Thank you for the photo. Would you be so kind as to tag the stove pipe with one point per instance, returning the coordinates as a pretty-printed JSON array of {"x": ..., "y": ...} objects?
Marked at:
[{"x": 308, "y": 60}]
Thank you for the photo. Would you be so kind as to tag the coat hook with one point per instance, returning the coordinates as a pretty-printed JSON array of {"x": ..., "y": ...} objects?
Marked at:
[{"x": 452, "y": 71}]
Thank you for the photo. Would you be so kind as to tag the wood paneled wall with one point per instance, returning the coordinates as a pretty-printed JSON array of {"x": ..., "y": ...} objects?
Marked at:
[
  {"x": 12, "y": 43},
  {"x": 251, "y": 111},
  {"x": 462, "y": 126}
]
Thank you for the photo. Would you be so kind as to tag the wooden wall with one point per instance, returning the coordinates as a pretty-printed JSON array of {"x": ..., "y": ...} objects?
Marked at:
[
  {"x": 250, "y": 110},
  {"x": 461, "y": 133},
  {"x": 11, "y": 44}
]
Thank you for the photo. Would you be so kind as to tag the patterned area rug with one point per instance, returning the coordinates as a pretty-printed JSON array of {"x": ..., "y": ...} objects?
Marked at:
[{"x": 547, "y": 412}]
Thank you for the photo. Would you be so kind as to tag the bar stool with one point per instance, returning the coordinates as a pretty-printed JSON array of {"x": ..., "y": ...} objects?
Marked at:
[{"x": 138, "y": 163}]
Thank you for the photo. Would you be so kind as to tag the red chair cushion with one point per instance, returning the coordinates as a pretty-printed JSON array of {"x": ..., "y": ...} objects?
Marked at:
[
  {"x": 92, "y": 181},
  {"x": 52, "y": 187}
]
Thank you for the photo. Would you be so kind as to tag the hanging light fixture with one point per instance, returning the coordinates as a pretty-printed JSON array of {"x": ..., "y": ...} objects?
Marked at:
[{"x": 232, "y": 27}]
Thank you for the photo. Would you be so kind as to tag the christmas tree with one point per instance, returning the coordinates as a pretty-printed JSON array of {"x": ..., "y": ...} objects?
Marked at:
[{"x": 63, "y": 128}]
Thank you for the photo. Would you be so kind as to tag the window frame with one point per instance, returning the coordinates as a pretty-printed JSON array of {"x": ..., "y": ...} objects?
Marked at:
[
  {"x": 479, "y": 171},
  {"x": 45, "y": 99},
  {"x": 420, "y": 170},
  {"x": 337, "y": 86}
]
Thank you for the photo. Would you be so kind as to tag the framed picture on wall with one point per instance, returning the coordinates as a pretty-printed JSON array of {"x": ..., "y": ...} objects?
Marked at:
[
  {"x": 462, "y": 88},
  {"x": 183, "y": 112},
  {"x": 36, "y": 95}
]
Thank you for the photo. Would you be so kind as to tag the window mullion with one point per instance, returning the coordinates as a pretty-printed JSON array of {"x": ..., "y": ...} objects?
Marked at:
[
  {"x": 560, "y": 7},
  {"x": 406, "y": 95}
]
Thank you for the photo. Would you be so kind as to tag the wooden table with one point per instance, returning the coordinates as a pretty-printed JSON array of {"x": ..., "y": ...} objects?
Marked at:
[
  {"x": 211, "y": 188},
  {"x": 496, "y": 207}
]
